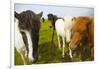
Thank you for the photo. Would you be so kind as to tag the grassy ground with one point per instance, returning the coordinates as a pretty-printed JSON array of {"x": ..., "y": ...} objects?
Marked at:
[{"x": 48, "y": 52}]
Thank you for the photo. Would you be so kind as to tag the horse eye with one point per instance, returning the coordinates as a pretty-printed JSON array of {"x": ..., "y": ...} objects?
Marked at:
[{"x": 22, "y": 32}]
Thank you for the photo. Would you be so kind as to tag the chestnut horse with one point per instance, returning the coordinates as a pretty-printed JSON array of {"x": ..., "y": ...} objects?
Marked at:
[{"x": 83, "y": 36}]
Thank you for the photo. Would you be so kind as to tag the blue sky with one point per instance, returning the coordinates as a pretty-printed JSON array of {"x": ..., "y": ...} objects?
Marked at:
[{"x": 60, "y": 11}]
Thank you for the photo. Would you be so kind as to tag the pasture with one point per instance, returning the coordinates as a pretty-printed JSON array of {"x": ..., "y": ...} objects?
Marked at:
[{"x": 47, "y": 52}]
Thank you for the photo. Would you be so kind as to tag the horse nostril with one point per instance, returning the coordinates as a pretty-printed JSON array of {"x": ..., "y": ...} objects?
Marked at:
[
  {"x": 50, "y": 26},
  {"x": 68, "y": 42}
]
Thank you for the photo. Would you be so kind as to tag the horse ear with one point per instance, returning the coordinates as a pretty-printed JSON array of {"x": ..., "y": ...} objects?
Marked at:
[
  {"x": 74, "y": 18},
  {"x": 40, "y": 14},
  {"x": 90, "y": 19},
  {"x": 16, "y": 14}
]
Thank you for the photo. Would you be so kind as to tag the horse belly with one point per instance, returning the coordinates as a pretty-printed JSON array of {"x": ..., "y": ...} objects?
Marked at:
[{"x": 60, "y": 27}]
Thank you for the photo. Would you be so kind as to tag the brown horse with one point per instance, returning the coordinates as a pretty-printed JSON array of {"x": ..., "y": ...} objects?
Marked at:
[{"x": 83, "y": 36}]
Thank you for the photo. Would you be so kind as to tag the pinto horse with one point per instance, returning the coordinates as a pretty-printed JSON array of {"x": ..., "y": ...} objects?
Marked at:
[
  {"x": 63, "y": 28},
  {"x": 83, "y": 36},
  {"x": 27, "y": 25}
]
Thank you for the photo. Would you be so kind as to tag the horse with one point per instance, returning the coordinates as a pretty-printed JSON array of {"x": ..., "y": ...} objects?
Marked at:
[
  {"x": 27, "y": 25},
  {"x": 83, "y": 36},
  {"x": 52, "y": 18},
  {"x": 43, "y": 20},
  {"x": 63, "y": 28}
]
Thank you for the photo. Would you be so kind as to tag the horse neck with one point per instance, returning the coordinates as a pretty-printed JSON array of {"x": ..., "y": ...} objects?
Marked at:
[{"x": 54, "y": 21}]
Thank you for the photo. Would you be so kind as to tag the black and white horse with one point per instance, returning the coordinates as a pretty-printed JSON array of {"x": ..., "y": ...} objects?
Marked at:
[
  {"x": 27, "y": 25},
  {"x": 52, "y": 18}
]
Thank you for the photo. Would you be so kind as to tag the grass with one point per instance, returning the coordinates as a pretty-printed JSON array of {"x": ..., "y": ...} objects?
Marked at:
[{"x": 48, "y": 52}]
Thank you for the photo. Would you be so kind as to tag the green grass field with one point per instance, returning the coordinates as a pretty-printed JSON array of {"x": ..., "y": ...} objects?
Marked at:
[{"x": 48, "y": 52}]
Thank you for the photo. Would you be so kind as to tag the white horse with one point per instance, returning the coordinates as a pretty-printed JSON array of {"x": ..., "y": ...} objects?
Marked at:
[{"x": 63, "y": 28}]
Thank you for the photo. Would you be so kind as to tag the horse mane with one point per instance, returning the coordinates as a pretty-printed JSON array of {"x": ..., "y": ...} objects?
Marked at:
[
  {"x": 28, "y": 20},
  {"x": 52, "y": 18},
  {"x": 80, "y": 23}
]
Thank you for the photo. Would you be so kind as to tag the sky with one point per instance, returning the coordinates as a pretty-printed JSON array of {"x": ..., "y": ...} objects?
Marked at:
[{"x": 60, "y": 11}]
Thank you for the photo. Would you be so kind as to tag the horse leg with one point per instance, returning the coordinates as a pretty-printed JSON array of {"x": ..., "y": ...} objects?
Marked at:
[
  {"x": 70, "y": 53},
  {"x": 26, "y": 53},
  {"x": 22, "y": 56},
  {"x": 63, "y": 54},
  {"x": 92, "y": 53},
  {"x": 23, "y": 59}
]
